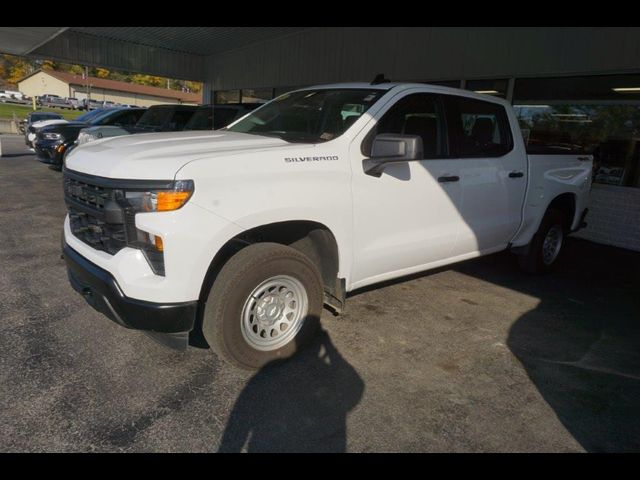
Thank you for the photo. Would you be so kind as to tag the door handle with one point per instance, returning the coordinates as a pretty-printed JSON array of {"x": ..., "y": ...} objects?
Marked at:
[
  {"x": 516, "y": 175},
  {"x": 449, "y": 179}
]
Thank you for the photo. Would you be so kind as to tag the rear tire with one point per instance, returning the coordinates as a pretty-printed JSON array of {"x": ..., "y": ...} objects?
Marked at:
[
  {"x": 546, "y": 247},
  {"x": 264, "y": 305}
]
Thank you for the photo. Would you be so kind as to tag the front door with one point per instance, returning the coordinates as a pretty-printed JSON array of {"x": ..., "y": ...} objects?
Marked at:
[{"x": 407, "y": 219}]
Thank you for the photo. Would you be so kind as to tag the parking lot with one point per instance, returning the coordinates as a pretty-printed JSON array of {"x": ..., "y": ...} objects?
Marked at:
[{"x": 477, "y": 357}]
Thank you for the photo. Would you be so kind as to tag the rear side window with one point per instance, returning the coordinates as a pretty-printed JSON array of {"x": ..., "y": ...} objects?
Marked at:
[
  {"x": 477, "y": 128},
  {"x": 416, "y": 114}
]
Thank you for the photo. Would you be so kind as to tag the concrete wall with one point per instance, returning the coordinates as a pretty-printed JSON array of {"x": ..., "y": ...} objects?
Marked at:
[
  {"x": 336, "y": 54},
  {"x": 8, "y": 126},
  {"x": 41, "y": 83},
  {"x": 614, "y": 217}
]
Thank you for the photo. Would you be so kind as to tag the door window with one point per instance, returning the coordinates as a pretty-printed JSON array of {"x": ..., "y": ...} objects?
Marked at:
[{"x": 417, "y": 114}]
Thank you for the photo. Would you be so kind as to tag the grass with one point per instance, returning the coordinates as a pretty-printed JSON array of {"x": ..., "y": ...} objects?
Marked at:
[{"x": 7, "y": 110}]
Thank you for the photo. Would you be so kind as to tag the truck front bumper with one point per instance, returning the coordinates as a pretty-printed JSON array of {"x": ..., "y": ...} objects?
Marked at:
[{"x": 102, "y": 292}]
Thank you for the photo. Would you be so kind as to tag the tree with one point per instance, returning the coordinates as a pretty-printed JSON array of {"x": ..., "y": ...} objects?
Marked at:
[{"x": 102, "y": 73}]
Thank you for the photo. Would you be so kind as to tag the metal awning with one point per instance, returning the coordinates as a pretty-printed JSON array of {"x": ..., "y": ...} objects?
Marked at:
[
  {"x": 24, "y": 40},
  {"x": 177, "y": 52}
]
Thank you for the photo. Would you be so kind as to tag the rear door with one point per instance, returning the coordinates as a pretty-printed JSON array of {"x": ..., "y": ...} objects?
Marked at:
[{"x": 493, "y": 174}]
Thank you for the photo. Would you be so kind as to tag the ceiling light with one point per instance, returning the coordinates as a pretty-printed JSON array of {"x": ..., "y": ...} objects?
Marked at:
[
  {"x": 532, "y": 106},
  {"x": 487, "y": 92},
  {"x": 627, "y": 90}
]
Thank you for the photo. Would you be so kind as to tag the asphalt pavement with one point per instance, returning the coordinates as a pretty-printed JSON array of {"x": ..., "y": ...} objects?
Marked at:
[{"x": 477, "y": 357}]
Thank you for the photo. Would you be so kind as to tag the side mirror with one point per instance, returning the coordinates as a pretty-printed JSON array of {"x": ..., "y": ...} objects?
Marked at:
[{"x": 391, "y": 148}]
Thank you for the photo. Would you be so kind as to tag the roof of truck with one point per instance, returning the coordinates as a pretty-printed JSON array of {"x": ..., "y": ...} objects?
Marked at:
[{"x": 405, "y": 86}]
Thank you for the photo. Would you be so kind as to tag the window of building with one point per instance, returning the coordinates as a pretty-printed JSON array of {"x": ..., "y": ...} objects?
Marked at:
[
  {"x": 226, "y": 96},
  {"x": 446, "y": 83},
  {"x": 256, "y": 95},
  {"x": 495, "y": 88},
  {"x": 597, "y": 115},
  {"x": 282, "y": 90},
  {"x": 477, "y": 128}
]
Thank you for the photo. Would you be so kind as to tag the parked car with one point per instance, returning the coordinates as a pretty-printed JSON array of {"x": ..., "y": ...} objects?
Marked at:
[
  {"x": 11, "y": 96},
  {"x": 53, "y": 101},
  {"x": 214, "y": 117},
  {"x": 253, "y": 228},
  {"x": 73, "y": 102},
  {"x": 52, "y": 141},
  {"x": 158, "y": 118},
  {"x": 203, "y": 118},
  {"x": 164, "y": 118},
  {"x": 91, "y": 104},
  {"x": 35, "y": 118}
]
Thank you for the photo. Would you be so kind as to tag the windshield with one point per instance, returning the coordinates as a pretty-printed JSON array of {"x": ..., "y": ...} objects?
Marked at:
[
  {"x": 104, "y": 116},
  {"x": 309, "y": 116},
  {"x": 37, "y": 117}
]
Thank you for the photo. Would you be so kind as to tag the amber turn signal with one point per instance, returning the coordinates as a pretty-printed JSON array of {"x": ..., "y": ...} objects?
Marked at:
[
  {"x": 159, "y": 244},
  {"x": 169, "y": 201}
]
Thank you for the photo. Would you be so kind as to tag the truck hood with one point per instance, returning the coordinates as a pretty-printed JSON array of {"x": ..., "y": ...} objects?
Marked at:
[{"x": 158, "y": 156}]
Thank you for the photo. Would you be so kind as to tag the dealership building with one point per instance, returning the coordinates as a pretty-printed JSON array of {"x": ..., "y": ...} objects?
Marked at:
[{"x": 569, "y": 85}]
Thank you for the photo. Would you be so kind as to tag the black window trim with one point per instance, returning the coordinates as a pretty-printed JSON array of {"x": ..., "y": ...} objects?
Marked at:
[{"x": 505, "y": 126}]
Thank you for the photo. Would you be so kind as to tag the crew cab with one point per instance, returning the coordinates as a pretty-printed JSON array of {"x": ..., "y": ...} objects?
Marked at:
[{"x": 244, "y": 233}]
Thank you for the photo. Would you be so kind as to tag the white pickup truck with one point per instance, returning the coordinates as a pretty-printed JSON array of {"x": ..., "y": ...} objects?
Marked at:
[{"x": 244, "y": 233}]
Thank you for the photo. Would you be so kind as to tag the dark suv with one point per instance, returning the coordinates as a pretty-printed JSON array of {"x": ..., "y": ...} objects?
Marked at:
[
  {"x": 52, "y": 141},
  {"x": 215, "y": 117},
  {"x": 34, "y": 117},
  {"x": 164, "y": 118}
]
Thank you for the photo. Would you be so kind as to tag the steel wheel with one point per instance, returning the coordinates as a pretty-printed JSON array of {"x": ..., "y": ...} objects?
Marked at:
[
  {"x": 552, "y": 245},
  {"x": 274, "y": 312}
]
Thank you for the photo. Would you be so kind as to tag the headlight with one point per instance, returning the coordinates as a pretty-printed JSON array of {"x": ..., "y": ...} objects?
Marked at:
[
  {"x": 51, "y": 136},
  {"x": 161, "y": 200},
  {"x": 85, "y": 137}
]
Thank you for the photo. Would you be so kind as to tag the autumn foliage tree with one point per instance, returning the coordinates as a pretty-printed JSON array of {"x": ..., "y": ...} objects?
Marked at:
[{"x": 13, "y": 69}]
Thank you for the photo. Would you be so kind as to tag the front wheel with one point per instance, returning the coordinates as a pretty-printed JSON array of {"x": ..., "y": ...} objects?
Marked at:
[
  {"x": 546, "y": 247},
  {"x": 264, "y": 305}
]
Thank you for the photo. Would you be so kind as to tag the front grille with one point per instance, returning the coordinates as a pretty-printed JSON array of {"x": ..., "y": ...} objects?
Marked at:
[
  {"x": 95, "y": 216},
  {"x": 92, "y": 196},
  {"x": 101, "y": 217},
  {"x": 110, "y": 238}
]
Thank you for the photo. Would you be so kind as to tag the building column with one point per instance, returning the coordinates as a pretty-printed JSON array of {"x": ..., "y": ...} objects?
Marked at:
[{"x": 207, "y": 93}]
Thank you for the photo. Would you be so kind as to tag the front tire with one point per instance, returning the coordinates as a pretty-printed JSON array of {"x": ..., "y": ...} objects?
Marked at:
[
  {"x": 264, "y": 305},
  {"x": 546, "y": 247}
]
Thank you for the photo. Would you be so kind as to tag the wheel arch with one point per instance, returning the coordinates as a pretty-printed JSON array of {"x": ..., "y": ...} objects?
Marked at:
[
  {"x": 314, "y": 239},
  {"x": 566, "y": 203}
]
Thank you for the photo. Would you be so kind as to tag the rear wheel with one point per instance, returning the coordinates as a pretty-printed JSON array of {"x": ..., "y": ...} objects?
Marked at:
[
  {"x": 546, "y": 247},
  {"x": 264, "y": 305}
]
